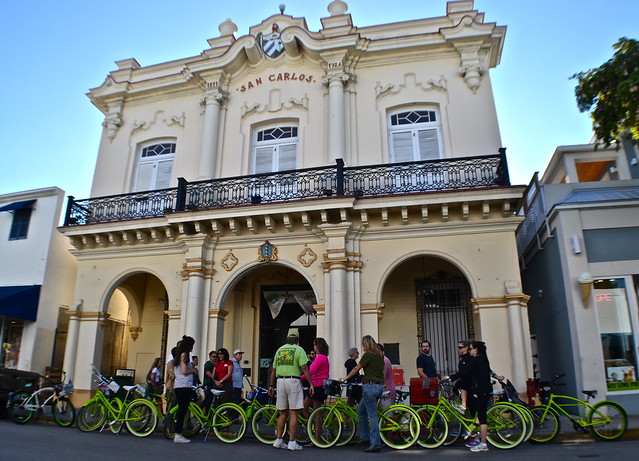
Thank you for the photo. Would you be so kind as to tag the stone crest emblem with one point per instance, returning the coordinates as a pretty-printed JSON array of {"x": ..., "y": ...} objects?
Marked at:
[{"x": 271, "y": 43}]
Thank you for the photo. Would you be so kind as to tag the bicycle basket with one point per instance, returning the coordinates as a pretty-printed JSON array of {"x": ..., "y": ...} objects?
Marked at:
[
  {"x": 446, "y": 389},
  {"x": 332, "y": 387},
  {"x": 544, "y": 390}
]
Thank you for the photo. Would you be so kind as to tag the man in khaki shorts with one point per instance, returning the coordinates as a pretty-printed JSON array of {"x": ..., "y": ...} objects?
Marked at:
[{"x": 288, "y": 365}]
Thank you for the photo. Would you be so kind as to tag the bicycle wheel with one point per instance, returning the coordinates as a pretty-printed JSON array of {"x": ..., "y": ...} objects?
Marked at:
[
  {"x": 399, "y": 427},
  {"x": 301, "y": 435},
  {"x": 530, "y": 426},
  {"x": 433, "y": 428},
  {"x": 455, "y": 428},
  {"x": 91, "y": 416},
  {"x": 349, "y": 426},
  {"x": 324, "y": 426},
  {"x": 546, "y": 424},
  {"x": 229, "y": 422},
  {"x": 140, "y": 418},
  {"x": 506, "y": 426},
  {"x": 608, "y": 420},
  {"x": 63, "y": 412},
  {"x": 19, "y": 407},
  {"x": 264, "y": 424}
]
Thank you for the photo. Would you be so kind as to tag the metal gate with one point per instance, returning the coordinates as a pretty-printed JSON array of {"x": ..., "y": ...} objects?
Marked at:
[{"x": 444, "y": 317}]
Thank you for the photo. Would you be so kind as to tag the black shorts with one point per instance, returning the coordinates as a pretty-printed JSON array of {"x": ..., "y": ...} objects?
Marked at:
[{"x": 318, "y": 394}]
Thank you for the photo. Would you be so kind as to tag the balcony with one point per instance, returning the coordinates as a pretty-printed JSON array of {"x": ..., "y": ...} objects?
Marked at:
[{"x": 286, "y": 186}]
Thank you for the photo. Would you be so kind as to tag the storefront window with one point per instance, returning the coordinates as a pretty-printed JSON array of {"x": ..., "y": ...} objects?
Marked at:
[{"x": 617, "y": 338}]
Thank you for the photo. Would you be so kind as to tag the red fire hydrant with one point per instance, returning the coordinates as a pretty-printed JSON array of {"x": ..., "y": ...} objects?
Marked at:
[{"x": 531, "y": 391}]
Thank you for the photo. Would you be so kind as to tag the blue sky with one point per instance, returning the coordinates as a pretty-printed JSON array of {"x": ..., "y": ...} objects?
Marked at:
[{"x": 54, "y": 52}]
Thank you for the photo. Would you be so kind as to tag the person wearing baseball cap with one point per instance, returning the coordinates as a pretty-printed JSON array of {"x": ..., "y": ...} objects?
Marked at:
[
  {"x": 289, "y": 363},
  {"x": 238, "y": 376}
]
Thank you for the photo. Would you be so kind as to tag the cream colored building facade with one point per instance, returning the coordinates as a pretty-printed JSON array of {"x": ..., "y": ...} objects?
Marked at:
[{"x": 400, "y": 255}]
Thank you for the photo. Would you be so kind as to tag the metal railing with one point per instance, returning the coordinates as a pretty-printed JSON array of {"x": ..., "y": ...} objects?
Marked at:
[{"x": 283, "y": 186}]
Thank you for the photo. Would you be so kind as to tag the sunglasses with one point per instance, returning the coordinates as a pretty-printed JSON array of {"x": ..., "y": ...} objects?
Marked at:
[{"x": 461, "y": 347}]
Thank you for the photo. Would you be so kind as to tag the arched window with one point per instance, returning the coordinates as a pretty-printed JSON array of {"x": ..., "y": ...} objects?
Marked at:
[
  {"x": 274, "y": 149},
  {"x": 414, "y": 135},
  {"x": 155, "y": 166}
]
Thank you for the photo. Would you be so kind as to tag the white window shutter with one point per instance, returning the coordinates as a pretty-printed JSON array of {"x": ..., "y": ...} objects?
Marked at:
[
  {"x": 163, "y": 174},
  {"x": 144, "y": 179},
  {"x": 402, "y": 145},
  {"x": 287, "y": 159},
  {"x": 428, "y": 144},
  {"x": 263, "y": 160}
]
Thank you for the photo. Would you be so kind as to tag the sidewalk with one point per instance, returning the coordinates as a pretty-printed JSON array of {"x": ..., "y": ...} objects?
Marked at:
[{"x": 568, "y": 434}]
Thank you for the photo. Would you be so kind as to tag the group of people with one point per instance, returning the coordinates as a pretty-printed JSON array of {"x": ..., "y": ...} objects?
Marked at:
[
  {"x": 297, "y": 380},
  {"x": 221, "y": 372}
]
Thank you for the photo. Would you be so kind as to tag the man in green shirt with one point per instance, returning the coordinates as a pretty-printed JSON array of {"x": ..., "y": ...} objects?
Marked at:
[{"x": 288, "y": 365}]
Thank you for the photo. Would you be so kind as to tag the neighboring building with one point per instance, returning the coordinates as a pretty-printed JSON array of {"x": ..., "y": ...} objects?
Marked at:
[
  {"x": 579, "y": 255},
  {"x": 358, "y": 188},
  {"x": 37, "y": 278}
]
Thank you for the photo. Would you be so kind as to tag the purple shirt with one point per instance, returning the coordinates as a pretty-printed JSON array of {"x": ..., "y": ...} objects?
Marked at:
[
  {"x": 319, "y": 370},
  {"x": 389, "y": 379}
]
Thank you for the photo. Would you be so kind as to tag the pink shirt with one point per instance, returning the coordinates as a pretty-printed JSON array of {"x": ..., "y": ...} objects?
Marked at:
[
  {"x": 389, "y": 379},
  {"x": 319, "y": 370}
]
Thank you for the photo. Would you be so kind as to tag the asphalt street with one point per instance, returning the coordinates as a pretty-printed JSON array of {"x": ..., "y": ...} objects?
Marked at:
[{"x": 40, "y": 440}]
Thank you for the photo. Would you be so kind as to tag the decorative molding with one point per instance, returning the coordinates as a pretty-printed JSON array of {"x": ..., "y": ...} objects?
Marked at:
[
  {"x": 217, "y": 313},
  {"x": 135, "y": 332},
  {"x": 307, "y": 257},
  {"x": 197, "y": 267},
  {"x": 276, "y": 107},
  {"x": 373, "y": 309},
  {"x": 410, "y": 81},
  {"x": 342, "y": 77},
  {"x": 229, "y": 262},
  {"x": 112, "y": 123}
]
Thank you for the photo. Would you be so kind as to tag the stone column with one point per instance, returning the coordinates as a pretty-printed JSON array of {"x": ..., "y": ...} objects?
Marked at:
[
  {"x": 336, "y": 114},
  {"x": 70, "y": 350},
  {"x": 340, "y": 309},
  {"x": 216, "y": 329},
  {"x": 212, "y": 100},
  {"x": 520, "y": 337},
  {"x": 195, "y": 271}
]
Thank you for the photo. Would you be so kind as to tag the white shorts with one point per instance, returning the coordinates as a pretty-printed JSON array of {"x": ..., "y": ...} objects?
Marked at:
[{"x": 289, "y": 394}]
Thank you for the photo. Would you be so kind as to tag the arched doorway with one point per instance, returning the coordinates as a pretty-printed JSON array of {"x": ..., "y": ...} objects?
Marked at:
[
  {"x": 135, "y": 331},
  {"x": 279, "y": 298},
  {"x": 429, "y": 297}
]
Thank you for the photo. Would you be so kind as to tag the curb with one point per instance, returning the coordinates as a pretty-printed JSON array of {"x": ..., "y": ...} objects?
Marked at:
[{"x": 579, "y": 437}]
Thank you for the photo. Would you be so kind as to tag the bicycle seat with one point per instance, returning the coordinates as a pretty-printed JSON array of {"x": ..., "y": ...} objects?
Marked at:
[
  {"x": 129, "y": 388},
  {"x": 385, "y": 394},
  {"x": 592, "y": 394},
  {"x": 217, "y": 392}
]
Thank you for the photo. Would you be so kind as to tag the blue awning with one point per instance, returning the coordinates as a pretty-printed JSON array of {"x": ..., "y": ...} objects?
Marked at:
[
  {"x": 20, "y": 301},
  {"x": 18, "y": 205}
]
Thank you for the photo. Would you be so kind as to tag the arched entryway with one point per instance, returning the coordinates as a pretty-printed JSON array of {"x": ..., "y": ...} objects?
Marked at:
[
  {"x": 263, "y": 304},
  {"x": 426, "y": 298},
  {"x": 135, "y": 330}
]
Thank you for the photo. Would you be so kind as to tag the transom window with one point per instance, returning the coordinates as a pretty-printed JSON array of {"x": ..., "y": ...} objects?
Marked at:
[
  {"x": 414, "y": 135},
  {"x": 273, "y": 134},
  {"x": 414, "y": 116},
  {"x": 155, "y": 166},
  {"x": 158, "y": 149},
  {"x": 275, "y": 149}
]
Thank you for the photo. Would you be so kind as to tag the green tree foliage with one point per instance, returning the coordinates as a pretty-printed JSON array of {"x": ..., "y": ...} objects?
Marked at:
[{"x": 611, "y": 93}]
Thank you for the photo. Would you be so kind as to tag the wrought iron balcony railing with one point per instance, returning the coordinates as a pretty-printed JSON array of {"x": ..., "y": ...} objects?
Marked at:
[{"x": 283, "y": 186}]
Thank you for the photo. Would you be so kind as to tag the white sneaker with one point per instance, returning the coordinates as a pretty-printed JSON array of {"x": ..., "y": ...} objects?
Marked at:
[
  {"x": 294, "y": 446},
  {"x": 279, "y": 443},
  {"x": 479, "y": 448},
  {"x": 460, "y": 408},
  {"x": 179, "y": 438}
]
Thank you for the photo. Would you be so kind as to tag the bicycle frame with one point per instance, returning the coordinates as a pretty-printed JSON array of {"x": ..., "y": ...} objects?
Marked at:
[{"x": 570, "y": 402}]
